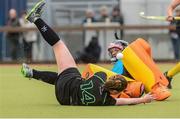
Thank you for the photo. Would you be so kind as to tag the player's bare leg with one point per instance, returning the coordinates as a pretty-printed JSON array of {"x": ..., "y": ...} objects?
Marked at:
[{"x": 63, "y": 57}]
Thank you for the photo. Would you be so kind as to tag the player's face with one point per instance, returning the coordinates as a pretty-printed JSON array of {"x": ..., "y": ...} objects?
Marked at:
[{"x": 113, "y": 51}]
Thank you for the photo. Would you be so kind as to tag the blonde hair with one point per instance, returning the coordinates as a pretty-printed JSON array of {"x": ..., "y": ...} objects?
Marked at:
[{"x": 116, "y": 82}]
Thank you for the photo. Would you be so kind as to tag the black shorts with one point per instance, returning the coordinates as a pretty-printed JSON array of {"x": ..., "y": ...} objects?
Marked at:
[{"x": 67, "y": 87}]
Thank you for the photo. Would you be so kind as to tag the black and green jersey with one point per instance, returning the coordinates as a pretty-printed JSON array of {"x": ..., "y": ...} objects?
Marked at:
[
  {"x": 71, "y": 89},
  {"x": 92, "y": 91}
]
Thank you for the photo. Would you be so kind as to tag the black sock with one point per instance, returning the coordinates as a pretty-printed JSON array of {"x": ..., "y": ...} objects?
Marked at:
[
  {"x": 45, "y": 76},
  {"x": 48, "y": 34}
]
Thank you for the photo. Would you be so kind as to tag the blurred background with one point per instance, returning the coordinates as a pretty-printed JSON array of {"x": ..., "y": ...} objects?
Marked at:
[{"x": 87, "y": 27}]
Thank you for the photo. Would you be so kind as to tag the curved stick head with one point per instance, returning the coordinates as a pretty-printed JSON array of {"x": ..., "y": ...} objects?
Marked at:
[
  {"x": 125, "y": 43},
  {"x": 116, "y": 36}
]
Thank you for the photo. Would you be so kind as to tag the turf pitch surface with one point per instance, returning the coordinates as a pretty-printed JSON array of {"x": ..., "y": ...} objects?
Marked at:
[{"x": 21, "y": 97}]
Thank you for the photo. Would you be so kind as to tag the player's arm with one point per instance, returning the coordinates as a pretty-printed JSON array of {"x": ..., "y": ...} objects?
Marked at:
[
  {"x": 170, "y": 9},
  {"x": 132, "y": 101}
]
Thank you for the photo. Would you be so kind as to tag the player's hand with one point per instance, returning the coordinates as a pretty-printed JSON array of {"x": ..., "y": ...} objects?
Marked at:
[
  {"x": 148, "y": 98},
  {"x": 170, "y": 18}
]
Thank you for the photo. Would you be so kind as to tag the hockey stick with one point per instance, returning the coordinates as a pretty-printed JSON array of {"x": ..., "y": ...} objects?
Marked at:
[{"x": 161, "y": 18}]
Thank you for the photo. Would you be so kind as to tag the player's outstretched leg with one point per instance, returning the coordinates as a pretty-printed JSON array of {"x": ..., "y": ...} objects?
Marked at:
[
  {"x": 45, "y": 76},
  {"x": 26, "y": 71},
  {"x": 64, "y": 58},
  {"x": 171, "y": 73}
]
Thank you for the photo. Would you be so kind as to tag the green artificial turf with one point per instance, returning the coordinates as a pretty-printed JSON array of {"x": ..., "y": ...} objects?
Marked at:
[{"x": 21, "y": 97}]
